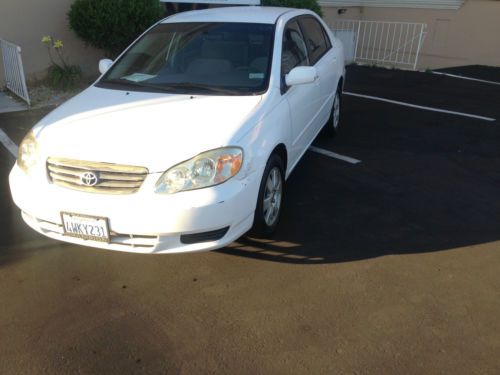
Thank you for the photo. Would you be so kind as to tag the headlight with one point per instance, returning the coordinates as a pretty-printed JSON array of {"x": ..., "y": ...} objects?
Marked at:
[
  {"x": 27, "y": 155},
  {"x": 207, "y": 169}
]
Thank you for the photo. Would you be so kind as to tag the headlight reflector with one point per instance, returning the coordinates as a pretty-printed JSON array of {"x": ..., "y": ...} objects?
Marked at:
[
  {"x": 27, "y": 155},
  {"x": 206, "y": 169}
]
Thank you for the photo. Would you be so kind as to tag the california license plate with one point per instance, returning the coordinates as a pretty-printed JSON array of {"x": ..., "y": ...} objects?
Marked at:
[{"x": 86, "y": 227}]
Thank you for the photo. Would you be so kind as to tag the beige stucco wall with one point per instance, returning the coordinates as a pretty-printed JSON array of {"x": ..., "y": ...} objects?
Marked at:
[
  {"x": 24, "y": 22},
  {"x": 469, "y": 35}
]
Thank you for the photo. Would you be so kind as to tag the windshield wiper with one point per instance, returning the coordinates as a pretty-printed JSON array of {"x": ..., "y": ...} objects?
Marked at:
[
  {"x": 192, "y": 85},
  {"x": 173, "y": 87},
  {"x": 127, "y": 82}
]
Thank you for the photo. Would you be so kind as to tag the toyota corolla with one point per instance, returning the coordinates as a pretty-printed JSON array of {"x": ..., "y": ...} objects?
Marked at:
[{"x": 185, "y": 141}]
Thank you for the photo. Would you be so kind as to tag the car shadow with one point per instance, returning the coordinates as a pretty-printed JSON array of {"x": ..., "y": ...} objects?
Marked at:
[{"x": 339, "y": 213}]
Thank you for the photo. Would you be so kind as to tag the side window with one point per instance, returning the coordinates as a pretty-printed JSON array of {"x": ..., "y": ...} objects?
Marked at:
[
  {"x": 316, "y": 40},
  {"x": 294, "y": 51}
]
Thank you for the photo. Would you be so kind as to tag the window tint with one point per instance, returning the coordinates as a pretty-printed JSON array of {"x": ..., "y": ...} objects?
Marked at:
[
  {"x": 294, "y": 51},
  {"x": 316, "y": 40}
]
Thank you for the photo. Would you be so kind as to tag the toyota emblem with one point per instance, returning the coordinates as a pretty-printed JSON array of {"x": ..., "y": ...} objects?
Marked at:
[{"x": 89, "y": 179}]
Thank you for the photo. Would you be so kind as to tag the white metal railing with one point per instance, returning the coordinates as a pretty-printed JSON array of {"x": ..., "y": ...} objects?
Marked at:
[
  {"x": 14, "y": 72},
  {"x": 379, "y": 42}
]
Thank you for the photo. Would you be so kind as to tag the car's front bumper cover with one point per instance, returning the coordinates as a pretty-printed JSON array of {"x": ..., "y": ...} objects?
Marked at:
[{"x": 143, "y": 222}]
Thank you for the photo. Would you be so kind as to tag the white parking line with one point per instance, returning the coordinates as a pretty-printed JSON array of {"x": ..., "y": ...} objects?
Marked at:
[
  {"x": 420, "y": 106},
  {"x": 7, "y": 142},
  {"x": 464, "y": 77},
  {"x": 334, "y": 155}
]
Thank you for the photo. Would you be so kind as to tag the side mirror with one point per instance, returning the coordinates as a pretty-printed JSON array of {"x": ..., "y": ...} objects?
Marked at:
[
  {"x": 301, "y": 75},
  {"x": 104, "y": 65}
]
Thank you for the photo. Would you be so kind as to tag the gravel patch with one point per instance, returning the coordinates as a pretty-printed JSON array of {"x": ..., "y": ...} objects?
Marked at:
[{"x": 43, "y": 96}]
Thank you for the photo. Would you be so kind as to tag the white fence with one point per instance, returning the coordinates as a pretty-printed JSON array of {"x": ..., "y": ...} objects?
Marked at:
[
  {"x": 14, "y": 72},
  {"x": 395, "y": 44}
]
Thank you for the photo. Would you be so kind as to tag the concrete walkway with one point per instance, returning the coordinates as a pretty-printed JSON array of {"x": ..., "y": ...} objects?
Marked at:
[{"x": 9, "y": 104}]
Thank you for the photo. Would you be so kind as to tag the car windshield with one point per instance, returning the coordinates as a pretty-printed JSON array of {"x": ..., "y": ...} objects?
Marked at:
[{"x": 197, "y": 58}]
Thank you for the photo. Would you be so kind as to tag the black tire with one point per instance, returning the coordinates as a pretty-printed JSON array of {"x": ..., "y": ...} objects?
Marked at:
[
  {"x": 333, "y": 123},
  {"x": 264, "y": 223}
]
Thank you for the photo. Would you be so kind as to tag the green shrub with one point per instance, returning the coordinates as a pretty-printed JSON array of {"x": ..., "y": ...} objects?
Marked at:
[
  {"x": 112, "y": 25},
  {"x": 301, "y": 4}
]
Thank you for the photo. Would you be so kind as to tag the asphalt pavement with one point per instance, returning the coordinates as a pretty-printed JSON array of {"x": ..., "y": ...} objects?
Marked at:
[{"x": 388, "y": 266}]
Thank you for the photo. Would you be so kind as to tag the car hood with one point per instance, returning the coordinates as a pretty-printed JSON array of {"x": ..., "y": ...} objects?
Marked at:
[{"x": 154, "y": 130}]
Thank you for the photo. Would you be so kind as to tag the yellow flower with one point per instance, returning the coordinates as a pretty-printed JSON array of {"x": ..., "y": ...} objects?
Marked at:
[
  {"x": 58, "y": 43},
  {"x": 46, "y": 39}
]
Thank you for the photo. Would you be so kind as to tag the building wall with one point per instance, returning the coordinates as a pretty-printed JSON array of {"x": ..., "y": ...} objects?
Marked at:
[
  {"x": 24, "y": 22},
  {"x": 469, "y": 35}
]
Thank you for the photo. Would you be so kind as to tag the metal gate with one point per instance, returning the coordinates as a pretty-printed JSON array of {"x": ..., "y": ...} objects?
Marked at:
[
  {"x": 395, "y": 44},
  {"x": 14, "y": 72}
]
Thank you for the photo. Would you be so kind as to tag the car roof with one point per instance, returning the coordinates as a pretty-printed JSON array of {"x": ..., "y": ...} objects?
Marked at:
[{"x": 245, "y": 14}]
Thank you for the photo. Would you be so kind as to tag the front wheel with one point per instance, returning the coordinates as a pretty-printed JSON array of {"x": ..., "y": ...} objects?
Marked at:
[
  {"x": 269, "y": 201},
  {"x": 333, "y": 123}
]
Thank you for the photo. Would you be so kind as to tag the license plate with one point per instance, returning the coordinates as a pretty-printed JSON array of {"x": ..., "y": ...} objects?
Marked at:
[{"x": 86, "y": 227}]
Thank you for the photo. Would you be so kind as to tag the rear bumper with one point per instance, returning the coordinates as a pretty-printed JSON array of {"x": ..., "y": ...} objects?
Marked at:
[{"x": 143, "y": 222}]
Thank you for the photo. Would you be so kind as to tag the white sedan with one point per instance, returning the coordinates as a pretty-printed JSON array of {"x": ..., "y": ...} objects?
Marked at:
[{"x": 185, "y": 141}]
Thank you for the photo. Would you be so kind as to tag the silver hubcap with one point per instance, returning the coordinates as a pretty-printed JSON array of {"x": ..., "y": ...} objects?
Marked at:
[
  {"x": 272, "y": 196},
  {"x": 336, "y": 111}
]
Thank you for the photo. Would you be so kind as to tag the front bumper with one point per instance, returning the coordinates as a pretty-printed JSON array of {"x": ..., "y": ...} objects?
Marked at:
[{"x": 143, "y": 222}]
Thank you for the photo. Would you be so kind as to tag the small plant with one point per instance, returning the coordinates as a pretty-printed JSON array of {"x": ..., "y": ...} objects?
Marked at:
[{"x": 61, "y": 75}]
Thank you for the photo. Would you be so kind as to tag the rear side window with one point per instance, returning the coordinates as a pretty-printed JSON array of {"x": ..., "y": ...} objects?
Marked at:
[{"x": 316, "y": 40}]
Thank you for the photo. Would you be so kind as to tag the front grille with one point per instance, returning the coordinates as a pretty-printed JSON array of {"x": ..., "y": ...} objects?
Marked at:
[{"x": 95, "y": 177}]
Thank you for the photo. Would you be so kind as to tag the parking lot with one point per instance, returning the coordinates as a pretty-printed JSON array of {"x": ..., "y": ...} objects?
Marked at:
[{"x": 388, "y": 265}]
